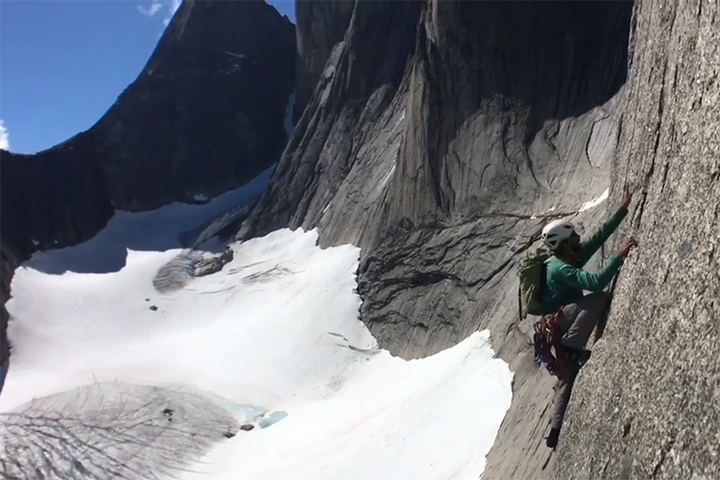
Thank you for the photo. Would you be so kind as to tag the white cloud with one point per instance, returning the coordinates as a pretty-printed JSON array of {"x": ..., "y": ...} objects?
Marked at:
[
  {"x": 154, "y": 7},
  {"x": 166, "y": 7},
  {"x": 4, "y": 137}
]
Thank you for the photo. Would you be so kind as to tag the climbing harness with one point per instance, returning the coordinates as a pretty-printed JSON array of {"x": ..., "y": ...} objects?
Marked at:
[
  {"x": 549, "y": 350},
  {"x": 548, "y": 347}
]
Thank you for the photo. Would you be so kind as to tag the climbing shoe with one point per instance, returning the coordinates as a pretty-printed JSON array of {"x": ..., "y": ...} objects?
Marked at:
[
  {"x": 579, "y": 357},
  {"x": 552, "y": 439}
]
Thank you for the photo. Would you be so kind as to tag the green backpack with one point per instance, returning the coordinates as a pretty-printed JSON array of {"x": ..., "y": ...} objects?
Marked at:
[{"x": 532, "y": 270}]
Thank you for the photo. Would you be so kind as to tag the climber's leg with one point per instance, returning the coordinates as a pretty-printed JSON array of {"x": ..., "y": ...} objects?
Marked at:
[
  {"x": 560, "y": 403},
  {"x": 579, "y": 319}
]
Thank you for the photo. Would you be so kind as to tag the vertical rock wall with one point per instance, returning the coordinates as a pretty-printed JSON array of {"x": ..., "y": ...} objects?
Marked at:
[
  {"x": 321, "y": 24},
  {"x": 648, "y": 404}
]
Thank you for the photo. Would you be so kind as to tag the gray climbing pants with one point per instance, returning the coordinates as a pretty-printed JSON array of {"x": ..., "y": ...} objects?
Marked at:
[
  {"x": 580, "y": 318},
  {"x": 577, "y": 321}
]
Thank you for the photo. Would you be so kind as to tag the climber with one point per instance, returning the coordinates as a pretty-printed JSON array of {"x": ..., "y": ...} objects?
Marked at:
[{"x": 578, "y": 314}]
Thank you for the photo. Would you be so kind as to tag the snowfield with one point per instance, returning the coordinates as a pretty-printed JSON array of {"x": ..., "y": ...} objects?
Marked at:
[{"x": 111, "y": 379}]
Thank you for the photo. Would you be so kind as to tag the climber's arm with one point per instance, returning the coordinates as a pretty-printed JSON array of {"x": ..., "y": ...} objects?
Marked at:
[
  {"x": 592, "y": 244},
  {"x": 573, "y": 277}
]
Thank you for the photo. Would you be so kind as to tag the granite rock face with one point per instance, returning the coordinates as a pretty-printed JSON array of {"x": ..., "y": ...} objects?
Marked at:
[
  {"x": 649, "y": 405},
  {"x": 351, "y": 126},
  {"x": 321, "y": 24},
  {"x": 440, "y": 138},
  {"x": 204, "y": 116}
]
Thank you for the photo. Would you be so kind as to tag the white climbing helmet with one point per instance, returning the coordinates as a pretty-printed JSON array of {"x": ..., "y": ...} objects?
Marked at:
[{"x": 555, "y": 232}]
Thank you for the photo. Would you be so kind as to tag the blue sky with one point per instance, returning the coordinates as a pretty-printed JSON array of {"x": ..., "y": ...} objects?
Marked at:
[{"x": 64, "y": 62}]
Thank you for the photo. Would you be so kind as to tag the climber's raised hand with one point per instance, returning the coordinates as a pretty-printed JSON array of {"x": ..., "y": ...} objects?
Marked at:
[
  {"x": 625, "y": 247},
  {"x": 628, "y": 192}
]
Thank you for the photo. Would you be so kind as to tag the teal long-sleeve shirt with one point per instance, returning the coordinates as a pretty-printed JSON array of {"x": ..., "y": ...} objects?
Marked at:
[{"x": 565, "y": 283}]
